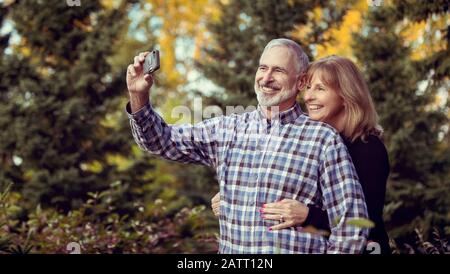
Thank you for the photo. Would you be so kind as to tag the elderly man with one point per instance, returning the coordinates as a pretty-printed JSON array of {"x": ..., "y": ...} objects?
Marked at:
[{"x": 269, "y": 154}]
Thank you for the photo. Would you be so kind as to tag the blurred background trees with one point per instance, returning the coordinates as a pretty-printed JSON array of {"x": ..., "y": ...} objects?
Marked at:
[
  {"x": 66, "y": 144},
  {"x": 404, "y": 53},
  {"x": 61, "y": 134}
]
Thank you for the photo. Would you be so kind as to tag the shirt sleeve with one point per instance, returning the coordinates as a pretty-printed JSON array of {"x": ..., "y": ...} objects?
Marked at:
[
  {"x": 343, "y": 199},
  {"x": 185, "y": 143}
]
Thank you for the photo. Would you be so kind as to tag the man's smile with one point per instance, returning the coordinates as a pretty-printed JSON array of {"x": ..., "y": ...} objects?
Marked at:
[{"x": 269, "y": 89}]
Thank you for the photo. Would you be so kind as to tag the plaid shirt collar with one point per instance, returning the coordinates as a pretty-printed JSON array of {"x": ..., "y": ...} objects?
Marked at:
[{"x": 286, "y": 117}]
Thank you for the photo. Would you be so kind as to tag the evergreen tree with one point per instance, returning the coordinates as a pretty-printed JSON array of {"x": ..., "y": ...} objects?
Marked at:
[
  {"x": 59, "y": 95},
  {"x": 418, "y": 190}
]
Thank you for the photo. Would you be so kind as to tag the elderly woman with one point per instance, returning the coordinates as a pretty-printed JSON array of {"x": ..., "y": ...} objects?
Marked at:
[{"x": 337, "y": 94}]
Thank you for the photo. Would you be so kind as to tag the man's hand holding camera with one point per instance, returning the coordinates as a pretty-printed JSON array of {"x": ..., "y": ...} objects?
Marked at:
[{"x": 139, "y": 82}]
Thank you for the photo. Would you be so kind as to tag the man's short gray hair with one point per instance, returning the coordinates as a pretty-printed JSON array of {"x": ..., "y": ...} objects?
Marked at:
[{"x": 301, "y": 59}]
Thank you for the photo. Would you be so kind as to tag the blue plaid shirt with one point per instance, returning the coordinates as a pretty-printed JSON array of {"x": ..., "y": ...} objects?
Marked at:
[{"x": 260, "y": 161}]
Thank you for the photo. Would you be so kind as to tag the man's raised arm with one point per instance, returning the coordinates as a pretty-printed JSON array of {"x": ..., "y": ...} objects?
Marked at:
[{"x": 184, "y": 143}]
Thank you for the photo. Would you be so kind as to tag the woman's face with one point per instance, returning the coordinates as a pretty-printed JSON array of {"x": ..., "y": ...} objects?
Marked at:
[{"x": 323, "y": 103}]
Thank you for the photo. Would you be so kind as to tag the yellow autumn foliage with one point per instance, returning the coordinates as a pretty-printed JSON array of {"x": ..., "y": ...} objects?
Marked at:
[{"x": 341, "y": 44}]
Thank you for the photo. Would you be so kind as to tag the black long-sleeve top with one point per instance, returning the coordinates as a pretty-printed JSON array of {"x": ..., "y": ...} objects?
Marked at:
[{"x": 372, "y": 165}]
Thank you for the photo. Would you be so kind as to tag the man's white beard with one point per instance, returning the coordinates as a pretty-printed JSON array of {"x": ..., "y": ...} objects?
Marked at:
[{"x": 270, "y": 100}]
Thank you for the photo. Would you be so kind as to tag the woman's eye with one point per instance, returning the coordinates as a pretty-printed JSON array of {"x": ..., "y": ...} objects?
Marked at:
[{"x": 308, "y": 87}]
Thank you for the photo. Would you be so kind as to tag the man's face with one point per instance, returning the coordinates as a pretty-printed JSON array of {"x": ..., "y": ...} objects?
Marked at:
[{"x": 276, "y": 80}]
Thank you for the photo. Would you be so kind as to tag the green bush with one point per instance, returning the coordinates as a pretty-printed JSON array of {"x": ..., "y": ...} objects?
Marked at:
[
  {"x": 437, "y": 244},
  {"x": 98, "y": 229}
]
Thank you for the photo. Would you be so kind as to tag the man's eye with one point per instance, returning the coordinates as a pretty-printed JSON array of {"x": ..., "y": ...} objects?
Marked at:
[{"x": 262, "y": 68}]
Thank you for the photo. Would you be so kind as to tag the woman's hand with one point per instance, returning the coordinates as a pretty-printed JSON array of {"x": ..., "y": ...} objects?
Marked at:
[
  {"x": 288, "y": 212},
  {"x": 215, "y": 204}
]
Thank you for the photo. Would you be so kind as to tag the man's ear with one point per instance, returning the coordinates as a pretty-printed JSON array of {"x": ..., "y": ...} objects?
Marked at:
[{"x": 301, "y": 82}]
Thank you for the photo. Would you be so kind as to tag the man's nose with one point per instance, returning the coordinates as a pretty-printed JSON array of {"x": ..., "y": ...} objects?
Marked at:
[{"x": 267, "y": 77}]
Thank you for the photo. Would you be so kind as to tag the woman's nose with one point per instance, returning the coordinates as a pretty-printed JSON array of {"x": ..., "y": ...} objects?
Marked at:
[{"x": 308, "y": 95}]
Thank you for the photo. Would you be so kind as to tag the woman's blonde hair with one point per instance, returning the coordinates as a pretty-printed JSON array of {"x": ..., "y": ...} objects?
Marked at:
[{"x": 343, "y": 76}]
